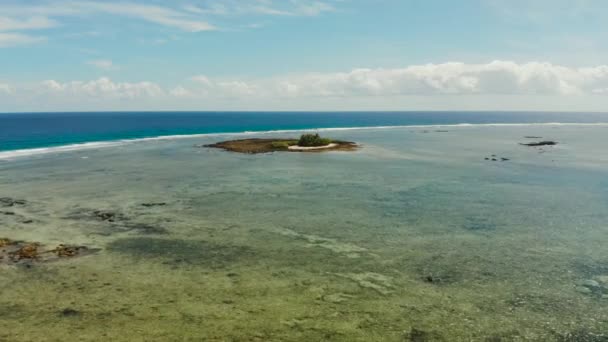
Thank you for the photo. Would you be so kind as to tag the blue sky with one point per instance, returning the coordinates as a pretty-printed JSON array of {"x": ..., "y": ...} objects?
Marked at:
[{"x": 303, "y": 55}]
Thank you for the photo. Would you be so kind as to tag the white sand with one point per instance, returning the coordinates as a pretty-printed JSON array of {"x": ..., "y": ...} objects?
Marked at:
[{"x": 303, "y": 148}]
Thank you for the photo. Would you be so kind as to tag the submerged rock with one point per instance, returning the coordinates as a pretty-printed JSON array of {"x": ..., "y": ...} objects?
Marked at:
[
  {"x": 597, "y": 288},
  {"x": 496, "y": 158},
  {"x": 540, "y": 143},
  {"x": 11, "y": 202},
  {"x": 117, "y": 222},
  {"x": 69, "y": 313},
  {"x": 603, "y": 280},
  {"x": 590, "y": 284},
  {"x": 20, "y": 252},
  {"x": 144, "y": 228},
  {"x": 417, "y": 335},
  {"x": 583, "y": 290},
  {"x": 106, "y": 215},
  {"x": 432, "y": 279},
  {"x": 479, "y": 224},
  {"x": 582, "y": 335},
  {"x": 157, "y": 204}
]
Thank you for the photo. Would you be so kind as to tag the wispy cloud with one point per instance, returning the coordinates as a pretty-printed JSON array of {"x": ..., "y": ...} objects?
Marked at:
[
  {"x": 31, "y": 23},
  {"x": 21, "y": 17},
  {"x": 104, "y": 64},
  {"x": 541, "y": 12},
  {"x": 16, "y": 18},
  {"x": 262, "y": 7},
  {"x": 155, "y": 14},
  {"x": 17, "y": 39}
]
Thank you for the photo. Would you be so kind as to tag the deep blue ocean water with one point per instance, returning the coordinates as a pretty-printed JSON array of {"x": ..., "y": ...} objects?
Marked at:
[{"x": 34, "y": 130}]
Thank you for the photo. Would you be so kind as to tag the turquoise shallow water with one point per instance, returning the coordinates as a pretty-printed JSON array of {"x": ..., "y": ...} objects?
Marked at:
[{"x": 413, "y": 237}]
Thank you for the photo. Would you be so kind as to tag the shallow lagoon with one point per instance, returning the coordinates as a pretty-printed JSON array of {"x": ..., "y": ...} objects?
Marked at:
[{"x": 414, "y": 237}]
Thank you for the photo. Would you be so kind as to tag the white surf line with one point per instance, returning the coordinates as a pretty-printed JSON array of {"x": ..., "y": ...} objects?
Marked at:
[{"x": 22, "y": 153}]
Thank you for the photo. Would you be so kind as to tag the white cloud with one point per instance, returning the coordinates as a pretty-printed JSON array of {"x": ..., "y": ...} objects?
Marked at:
[
  {"x": 6, "y": 89},
  {"x": 102, "y": 88},
  {"x": 156, "y": 14},
  {"x": 31, "y": 23},
  {"x": 262, "y": 7},
  {"x": 542, "y": 12},
  {"x": 180, "y": 91},
  {"x": 538, "y": 86},
  {"x": 494, "y": 78},
  {"x": 15, "y": 39},
  {"x": 37, "y": 16},
  {"x": 498, "y": 77},
  {"x": 104, "y": 64},
  {"x": 314, "y": 8},
  {"x": 16, "y": 18},
  {"x": 202, "y": 80}
]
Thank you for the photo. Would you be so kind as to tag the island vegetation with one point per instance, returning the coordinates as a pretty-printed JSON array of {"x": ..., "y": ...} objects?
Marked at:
[
  {"x": 313, "y": 140},
  {"x": 306, "y": 143}
]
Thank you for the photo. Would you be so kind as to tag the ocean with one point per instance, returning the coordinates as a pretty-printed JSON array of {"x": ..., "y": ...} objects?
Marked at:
[
  {"x": 40, "y": 130},
  {"x": 440, "y": 227}
]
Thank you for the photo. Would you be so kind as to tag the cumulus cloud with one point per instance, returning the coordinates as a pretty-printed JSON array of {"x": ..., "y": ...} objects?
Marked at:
[
  {"x": 102, "y": 88},
  {"x": 225, "y": 88},
  {"x": 498, "y": 78},
  {"x": 480, "y": 82}
]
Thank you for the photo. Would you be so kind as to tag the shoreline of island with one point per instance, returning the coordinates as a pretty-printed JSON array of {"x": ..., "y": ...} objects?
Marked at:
[{"x": 259, "y": 145}]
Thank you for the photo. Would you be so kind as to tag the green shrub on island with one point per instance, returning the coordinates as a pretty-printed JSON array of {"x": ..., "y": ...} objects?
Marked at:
[
  {"x": 284, "y": 144},
  {"x": 313, "y": 140}
]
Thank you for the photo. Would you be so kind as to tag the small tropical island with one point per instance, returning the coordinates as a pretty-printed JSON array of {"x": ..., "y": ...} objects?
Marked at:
[{"x": 306, "y": 143}]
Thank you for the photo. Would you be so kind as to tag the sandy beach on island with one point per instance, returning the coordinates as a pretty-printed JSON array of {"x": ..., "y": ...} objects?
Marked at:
[{"x": 311, "y": 148}]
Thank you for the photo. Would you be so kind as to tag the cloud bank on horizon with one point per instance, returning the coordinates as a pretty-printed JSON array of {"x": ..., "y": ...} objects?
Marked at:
[{"x": 303, "y": 55}]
